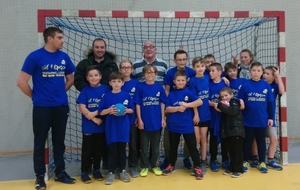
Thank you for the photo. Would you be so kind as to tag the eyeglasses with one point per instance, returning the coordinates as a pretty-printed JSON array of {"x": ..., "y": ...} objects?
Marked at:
[
  {"x": 126, "y": 68},
  {"x": 150, "y": 73},
  {"x": 148, "y": 47},
  {"x": 181, "y": 60}
]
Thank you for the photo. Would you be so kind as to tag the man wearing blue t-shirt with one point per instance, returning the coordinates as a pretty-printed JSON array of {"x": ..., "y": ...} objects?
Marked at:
[{"x": 52, "y": 75}]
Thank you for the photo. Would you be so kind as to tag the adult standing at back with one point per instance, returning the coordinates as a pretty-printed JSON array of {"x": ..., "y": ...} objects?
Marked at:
[
  {"x": 52, "y": 75},
  {"x": 149, "y": 57},
  {"x": 97, "y": 55}
]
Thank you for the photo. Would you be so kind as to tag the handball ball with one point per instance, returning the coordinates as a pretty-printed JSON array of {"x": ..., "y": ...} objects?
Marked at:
[
  {"x": 120, "y": 108},
  {"x": 225, "y": 102}
]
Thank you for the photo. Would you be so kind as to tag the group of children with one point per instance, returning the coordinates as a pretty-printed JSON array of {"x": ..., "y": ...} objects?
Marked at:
[{"x": 235, "y": 111}]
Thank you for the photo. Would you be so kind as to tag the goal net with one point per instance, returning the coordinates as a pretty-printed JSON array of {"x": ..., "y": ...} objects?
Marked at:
[{"x": 222, "y": 37}]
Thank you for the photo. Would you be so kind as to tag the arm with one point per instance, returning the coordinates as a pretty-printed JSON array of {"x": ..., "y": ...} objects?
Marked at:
[
  {"x": 167, "y": 89},
  {"x": 128, "y": 110},
  {"x": 196, "y": 118},
  {"x": 193, "y": 104},
  {"x": 69, "y": 81},
  {"x": 89, "y": 115},
  {"x": 279, "y": 81},
  {"x": 22, "y": 83},
  {"x": 173, "y": 109},
  {"x": 110, "y": 110},
  {"x": 163, "y": 122},
  {"x": 139, "y": 118},
  {"x": 232, "y": 110}
]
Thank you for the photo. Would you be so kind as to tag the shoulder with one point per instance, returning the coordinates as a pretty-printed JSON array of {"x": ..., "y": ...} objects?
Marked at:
[
  {"x": 138, "y": 63},
  {"x": 160, "y": 62}
]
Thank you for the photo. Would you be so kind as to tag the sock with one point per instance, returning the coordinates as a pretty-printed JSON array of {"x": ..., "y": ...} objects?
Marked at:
[{"x": 254, "y": 157}]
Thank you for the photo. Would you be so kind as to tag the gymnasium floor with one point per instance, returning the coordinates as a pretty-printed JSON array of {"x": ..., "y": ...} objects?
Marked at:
[{"x": 287, "y": 179}]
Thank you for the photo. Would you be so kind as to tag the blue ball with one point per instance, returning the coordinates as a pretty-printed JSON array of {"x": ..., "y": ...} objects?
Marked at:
[{"x": 120, "y": 108}]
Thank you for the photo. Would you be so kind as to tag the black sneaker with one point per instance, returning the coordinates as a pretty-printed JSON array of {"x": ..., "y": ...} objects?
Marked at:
[
  {"x": 64, "y": 178},
  {"x": 97, "y": 175},
  {"x": 170, "y": 169},
  {"x": 85, "y": 177},
  {"x": 40, "y": 183},
  {"x": 198, "y": 173}
]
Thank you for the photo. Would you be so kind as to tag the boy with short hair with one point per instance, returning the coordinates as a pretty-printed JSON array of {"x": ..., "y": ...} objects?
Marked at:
[
  {"x": 117, "y": 128},
  {"x": 231, "y": 72},
  {"x": 215, "y": 85},
  {"x": 209, "y": 59},
  {"x": 150, "y": 98},
  {"x": 180, "y": 122}
]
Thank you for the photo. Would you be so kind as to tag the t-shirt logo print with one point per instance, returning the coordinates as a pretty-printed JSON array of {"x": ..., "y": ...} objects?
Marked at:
[
  {"x": 158, "y": 94},
  {"x": 186, "y": 98},
  {"x": 265, "y": 91},
  {"x": 63, "y": 62},
  {"x": 133, "y": 89},
  {"x": 125, "y": 102}
]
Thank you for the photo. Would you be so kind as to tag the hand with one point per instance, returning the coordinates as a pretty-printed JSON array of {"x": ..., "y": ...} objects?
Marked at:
[
  {"x": 163, "y": 123},
  {"x": 226, "y": 81},
  {"x": 270, "y": 122},
  {"x": 242, "y": 107},
  {"x": 113, "y": 110},
  {"x": 180, "y": 47},
  {"x": 196, "y": 119},
  {"x": 89, "y": 115},
  {"x": 140, "y": 125},
  {"x": 276, "y": 72},
  {"x": 181, "y": 109},
  {"x": 216, "y": 107},
  {"x": 125, "y": 111},
  {"x": 183, "y": 104},
  {"x": 235, "y": 60},
  {"x": 96, "y": 120}
]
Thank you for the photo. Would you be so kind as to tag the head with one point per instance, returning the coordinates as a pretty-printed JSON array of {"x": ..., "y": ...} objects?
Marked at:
[
  {"x": 256, "y": 71},
  {"x": 180, "y": 79},
  {"x": 53, "y": 36},
  {"x": 116, "y": 80},
  {"x": 126, "y": 68},
  {"x": 180, "y": 59},
  {"x": 93, "y": 75},
  {"x": 246, "y": 57},
  {"x": 269, "y": 74},
  {"x": 149, "y": 50},
  {"x": 198, "y": 64},
  {"x": 215, "y": 71},
  {"x": 226, "y": 93},
  {"x": 150, "y": 72},
  {"x": 209, "y": 59},
  {"x": 231, "y": 70},
  {"x": 99, "y": 48}
]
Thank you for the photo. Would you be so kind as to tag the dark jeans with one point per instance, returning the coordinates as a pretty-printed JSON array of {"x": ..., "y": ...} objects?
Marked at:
[
  {"x": 213, "y": 147},
  {"x": 116, "y": 156},
  {"x": 44, "y": 118},
  {"x": 259, "y": 133},
  {"x": 235, "y": 149},
  {"x": 151, "y": 137},
  {"x": 134, "y": 146},
  {"x": 190, "y": 141},
  {"x": 167, "y": 145},
  {"x": 92, "y": 147}
]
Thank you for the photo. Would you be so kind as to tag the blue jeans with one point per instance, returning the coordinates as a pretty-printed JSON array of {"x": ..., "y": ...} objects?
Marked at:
[{"x": 44, "y": 118}]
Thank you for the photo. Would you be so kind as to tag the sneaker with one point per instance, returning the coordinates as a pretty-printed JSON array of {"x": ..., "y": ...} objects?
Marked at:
[
  {"x": 157, "y": 171},
  {"x": 236, "y": 174},
  {"x": 198, "y": 173},
  {"x": 262, "y": 167},
  {"x": 246, "y": 166},
  {"x": 97, "y": 175},
  {"x": 192, "y": 173},
  {"x": 40, "y": 183},
  {"x": 144, "y": 172},
  {"x": 85, "y": 177},
  {"x": 64, "y": 178},
  {"x": 134, "y": 172},
  {"x": 214, "y": 166},
  {"x": 226, "y": 165},
  {"x": 124, "y": 176},
  {"x": 170, "y": 169},
  {"x": 227, "y": 172},
  {"x": 109, "y": 178},
  {"x": 203, "y": 168},
  {"x": 254, "y": 163},
  {"x": 274, "y": 165},
  {"x": 164, "y": 164},
  {"x": 187, "y": 163}
]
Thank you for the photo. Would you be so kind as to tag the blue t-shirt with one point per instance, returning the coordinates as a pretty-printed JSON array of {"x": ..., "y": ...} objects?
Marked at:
[
  {"x": 214, "y": 96},
  {"x": 275, "y": 92},
  {"x": 117, "y": 128},
  {"x": 256, "y": 95},
  {"x": 236, "y": 84},
  {"x": 91, "y": 97},
  {"x": 150, "y": 97},
  {"x": 169, "y": 78},
  {"x": 181, "y": 122},
  {"x": 200, "y": 87},
  {"x": 48, "y": 71},
  {"x": 130, "y": 87}
]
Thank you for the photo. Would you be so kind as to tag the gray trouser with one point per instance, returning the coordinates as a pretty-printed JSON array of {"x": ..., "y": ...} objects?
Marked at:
[{"x": 152, "y": 138}]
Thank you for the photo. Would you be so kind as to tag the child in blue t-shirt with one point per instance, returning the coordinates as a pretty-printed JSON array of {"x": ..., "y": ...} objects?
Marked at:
[
  {"x": 117, "y": 128},
  {"x": 215, "y": 85},
  {"x": 259, "y": 100},
  {"x": 93, "y": 137},
  {"x": 199, "y": 85},
  {"x": 272, "y": 77},
  {"x": 129, "y": 86},
  {"x": 231, "y": 73},
  {"x": 180, "y": 122},
  {"x": 150, "y": 99}
]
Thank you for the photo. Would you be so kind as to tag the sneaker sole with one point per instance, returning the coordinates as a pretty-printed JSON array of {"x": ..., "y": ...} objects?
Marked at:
[
  {"x": 199, "y": 178},
  {"x": 65, "y": 182},
  {"x": 235, "y": 176},
  {"x": 277, "y": 169},
  {"x": 99, "y": 179},
  {"x": 168, "y": 173},
  {"x": 86, "y": 182}
]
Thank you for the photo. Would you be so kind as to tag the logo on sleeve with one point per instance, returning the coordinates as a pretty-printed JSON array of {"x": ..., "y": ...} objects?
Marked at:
[
  {"x": 158, "y": 94},
  {"x": 125, "y": 102},
  {"x": 265, "y": 91}
]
